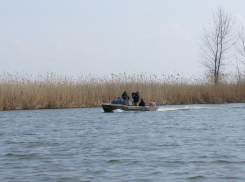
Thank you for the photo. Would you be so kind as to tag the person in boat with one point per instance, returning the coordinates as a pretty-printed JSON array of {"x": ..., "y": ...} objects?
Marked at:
[
  {"x": 142, "y": 102},
  {"x": 125, "y": 95},
  {"x": 117, "y": 99},
  {"x": 136, "y": 98}
]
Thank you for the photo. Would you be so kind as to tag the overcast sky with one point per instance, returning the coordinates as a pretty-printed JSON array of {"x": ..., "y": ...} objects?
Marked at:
[{"x": 100, "y": 37}]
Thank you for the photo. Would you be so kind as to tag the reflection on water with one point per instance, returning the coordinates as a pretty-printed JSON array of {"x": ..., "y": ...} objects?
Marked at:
[{"x": 175, "y": 143}]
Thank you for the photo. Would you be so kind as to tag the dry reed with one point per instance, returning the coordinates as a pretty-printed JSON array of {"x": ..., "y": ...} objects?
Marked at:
[{"x": 56, "y": 91}]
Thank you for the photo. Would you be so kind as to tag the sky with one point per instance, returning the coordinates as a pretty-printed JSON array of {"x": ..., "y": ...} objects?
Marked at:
[{"x": 101, "y": 37}]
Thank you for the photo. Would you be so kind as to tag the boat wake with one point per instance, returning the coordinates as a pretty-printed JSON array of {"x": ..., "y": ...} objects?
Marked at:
[
  {"x": 180, "y": 108},
  {"x": 118, "y": 110}
]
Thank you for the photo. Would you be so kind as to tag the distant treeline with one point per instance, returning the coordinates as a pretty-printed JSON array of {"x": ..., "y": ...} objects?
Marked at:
[{"x": 53, "y": 91}]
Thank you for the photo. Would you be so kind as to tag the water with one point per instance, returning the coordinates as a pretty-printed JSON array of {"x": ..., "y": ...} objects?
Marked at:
[{"x": 175, "y": 143}]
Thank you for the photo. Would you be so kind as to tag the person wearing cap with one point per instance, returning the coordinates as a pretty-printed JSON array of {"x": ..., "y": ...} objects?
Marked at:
[
  {"x": 142, "y": 102},
  {"x": 136, "y": 98},
  {"x": 125, "y": 95}
]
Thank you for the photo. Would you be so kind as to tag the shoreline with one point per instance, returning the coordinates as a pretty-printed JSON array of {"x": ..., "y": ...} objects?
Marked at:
[{"x": 101, "y": 106}]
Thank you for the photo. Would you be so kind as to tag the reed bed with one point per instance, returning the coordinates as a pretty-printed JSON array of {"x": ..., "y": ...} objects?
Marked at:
[{"x": 56, "y": 91}]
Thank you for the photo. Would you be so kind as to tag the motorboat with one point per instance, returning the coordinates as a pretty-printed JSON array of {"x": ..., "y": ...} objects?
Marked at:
[{"x": 127, "y": 105}]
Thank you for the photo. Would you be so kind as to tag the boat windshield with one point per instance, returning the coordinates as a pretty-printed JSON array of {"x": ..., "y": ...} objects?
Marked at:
[{"x": 118, "y": 99}]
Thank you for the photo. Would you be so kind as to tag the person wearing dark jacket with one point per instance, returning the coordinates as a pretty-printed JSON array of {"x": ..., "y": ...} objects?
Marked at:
[
  {"x": 136, "y": 98},
  {"x": 142, "y": 102},
  {"x": 125, "y": 95}
]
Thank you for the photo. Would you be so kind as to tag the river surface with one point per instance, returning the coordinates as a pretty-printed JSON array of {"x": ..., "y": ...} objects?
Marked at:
[{"x": 175, "y": 143}]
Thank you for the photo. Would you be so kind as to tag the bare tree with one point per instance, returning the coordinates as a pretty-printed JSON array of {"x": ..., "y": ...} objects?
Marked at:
[
  {"x": 240, "y": 50},
  {"x": 217, "y": 39}
]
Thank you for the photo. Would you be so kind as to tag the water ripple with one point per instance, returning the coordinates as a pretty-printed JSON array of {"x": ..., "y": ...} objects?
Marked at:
[{"x": 183, "y": 143}]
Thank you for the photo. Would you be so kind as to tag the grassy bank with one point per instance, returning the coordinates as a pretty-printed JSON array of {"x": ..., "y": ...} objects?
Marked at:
[{"x": 55, "y": 91}]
